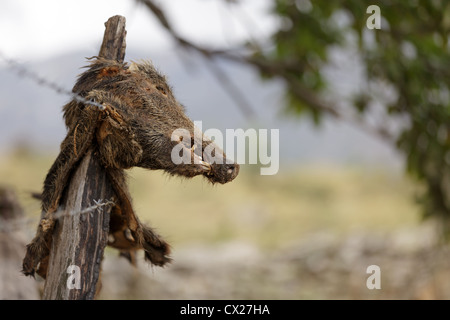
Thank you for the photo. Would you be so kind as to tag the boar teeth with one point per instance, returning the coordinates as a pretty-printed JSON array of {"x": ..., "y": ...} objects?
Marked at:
[{"x": 206, "y": 166}]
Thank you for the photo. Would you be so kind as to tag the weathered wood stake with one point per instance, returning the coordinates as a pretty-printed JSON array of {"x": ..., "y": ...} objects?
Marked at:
[{"x": 79, "y": 240}]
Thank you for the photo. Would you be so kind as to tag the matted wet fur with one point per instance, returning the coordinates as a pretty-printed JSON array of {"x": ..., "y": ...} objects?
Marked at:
[{"x": 134, "y": 129}]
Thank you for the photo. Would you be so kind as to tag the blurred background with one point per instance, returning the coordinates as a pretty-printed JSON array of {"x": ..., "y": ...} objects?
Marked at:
[{"x": 364, "y": 120}]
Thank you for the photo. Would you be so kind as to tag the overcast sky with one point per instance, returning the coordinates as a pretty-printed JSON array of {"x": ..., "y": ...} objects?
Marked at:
[{"x": 32, "y": 29}]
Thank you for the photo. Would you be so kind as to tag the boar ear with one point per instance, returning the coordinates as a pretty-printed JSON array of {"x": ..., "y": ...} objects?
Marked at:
[{"x": 133, "y": 67}]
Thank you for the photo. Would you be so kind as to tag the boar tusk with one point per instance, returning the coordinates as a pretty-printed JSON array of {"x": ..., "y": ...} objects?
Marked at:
[{"x": 206, "y": 166}]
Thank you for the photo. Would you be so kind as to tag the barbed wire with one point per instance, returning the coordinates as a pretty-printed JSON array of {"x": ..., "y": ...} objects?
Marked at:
[
  {"x": 22, "y": 71},
  {"x": 8, "y": 225},
  {"x": 98, "y": 204}
]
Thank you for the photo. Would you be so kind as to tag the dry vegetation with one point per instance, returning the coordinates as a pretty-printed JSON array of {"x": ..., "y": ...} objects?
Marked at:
[{"x": 308, "y": 232}]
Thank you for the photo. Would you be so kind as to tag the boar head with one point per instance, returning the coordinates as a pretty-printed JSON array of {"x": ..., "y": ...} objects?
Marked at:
[{"x": 140, "y": 122}]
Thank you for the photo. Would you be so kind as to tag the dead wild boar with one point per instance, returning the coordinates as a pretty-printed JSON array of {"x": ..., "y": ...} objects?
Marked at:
[{"x": 137, "y": 125}]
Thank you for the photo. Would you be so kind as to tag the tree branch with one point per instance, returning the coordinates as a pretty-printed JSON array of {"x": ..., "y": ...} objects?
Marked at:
[
  {"x": 278, "y": 69},
  {"x": 221, "y": 76}
]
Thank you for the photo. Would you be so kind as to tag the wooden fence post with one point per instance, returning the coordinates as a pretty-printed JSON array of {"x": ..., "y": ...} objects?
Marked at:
[{"x": 79, "y": 240}]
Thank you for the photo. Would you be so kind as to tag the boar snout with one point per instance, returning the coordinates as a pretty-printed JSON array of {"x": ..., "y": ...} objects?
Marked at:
[
  {"x": 222, "y": 169},
  {"x": 199, "y": 159},
  {"x": 223, "y": 173}
]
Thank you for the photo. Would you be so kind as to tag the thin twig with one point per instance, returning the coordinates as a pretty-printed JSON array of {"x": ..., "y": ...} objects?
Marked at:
[
  {"x": 234, "y": 92},
  {"x": 276, "y": 69},
  {"x": 220, "y": 75}
]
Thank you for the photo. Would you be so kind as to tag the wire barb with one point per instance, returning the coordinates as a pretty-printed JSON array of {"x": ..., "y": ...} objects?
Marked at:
[
  {"x": 18, "y": 224},
  {"x": 41, "y": 81},
  {"x": 98, "y": 205}
]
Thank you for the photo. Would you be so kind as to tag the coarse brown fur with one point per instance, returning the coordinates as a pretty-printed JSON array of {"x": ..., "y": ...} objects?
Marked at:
[{"x": 134, "y": 129}]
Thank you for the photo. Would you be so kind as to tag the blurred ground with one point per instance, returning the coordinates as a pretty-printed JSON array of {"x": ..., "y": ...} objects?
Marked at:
[
  {"x": 309, "y": 232},
  {"x": 323, "y": 266}
]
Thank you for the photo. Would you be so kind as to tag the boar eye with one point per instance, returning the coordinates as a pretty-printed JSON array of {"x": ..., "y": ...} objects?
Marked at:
[{"x": 161, "y": 89}]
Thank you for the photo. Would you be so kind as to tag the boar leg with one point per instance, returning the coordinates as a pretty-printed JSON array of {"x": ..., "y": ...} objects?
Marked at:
[
  {"x": 73, "y": 148},
  {"x": 128, "y": 233}
]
